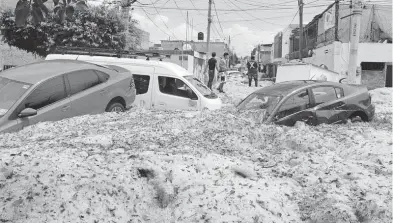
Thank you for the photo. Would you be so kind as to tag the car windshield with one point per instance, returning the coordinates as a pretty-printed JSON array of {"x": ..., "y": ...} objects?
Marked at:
[
  {"x": 202, "y": 88},
  {"x": 260, "y": 103},
  {"x": 10, "y": 92}
]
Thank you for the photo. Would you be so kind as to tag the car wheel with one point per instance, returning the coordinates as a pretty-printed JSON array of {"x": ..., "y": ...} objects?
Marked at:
[{"x": 115, "y": 107}]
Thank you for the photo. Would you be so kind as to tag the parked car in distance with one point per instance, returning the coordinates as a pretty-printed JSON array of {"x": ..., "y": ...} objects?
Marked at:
[
  {"x": 232, "y": 73},
  {"x": 312, "y": 102},
  {"x": 58, "y": 89},
  {"x": 159, "y": 85}
]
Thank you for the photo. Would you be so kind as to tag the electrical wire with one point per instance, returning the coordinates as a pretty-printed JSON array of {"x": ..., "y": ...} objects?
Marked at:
[
  {"x": 222, "y": 30},
  {"x": 218, "y": 33},
  {"x": 155, "y": 23},
  {"x": 244, "y": 18},
  {"x": 253, "y": 15},
  {"x": 196, "y": 8},
  {"x": 163, "y": 21},
  {"x": 180, "y": 11},
  {"x": 291, "y": 21},
  {"x": 232, "y": 10},
  {"x": 275, "y": 17}
]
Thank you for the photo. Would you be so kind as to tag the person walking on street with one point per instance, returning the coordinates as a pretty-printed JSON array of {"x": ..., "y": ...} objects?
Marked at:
[
  {"x": 212, "y": 65},
  {"x": 252, "y": 66},
  {"x": 223, "y": 68}
]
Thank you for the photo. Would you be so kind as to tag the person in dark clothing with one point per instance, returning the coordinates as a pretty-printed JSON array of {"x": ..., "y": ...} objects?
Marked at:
[
  {"x": 252, "y": 66},
  {"x": 212, "y": 66}
]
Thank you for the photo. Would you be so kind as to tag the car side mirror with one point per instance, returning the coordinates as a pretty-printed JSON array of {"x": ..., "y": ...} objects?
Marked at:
[{"x": 27, "y": 112}]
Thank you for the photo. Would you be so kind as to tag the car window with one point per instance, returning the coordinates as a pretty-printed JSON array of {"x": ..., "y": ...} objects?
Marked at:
[
  {"x": 141, "y": 83},
  {"x": 176, "y": 87},
  {"x": 294, "y": 104},
  {"x": 82, "y": 80},
  {"x": 324, "y": 94},
  {"x": 47, "y": 93},
  {"x": 102, "y": 76},
  {"x": 10, "y": 93}
]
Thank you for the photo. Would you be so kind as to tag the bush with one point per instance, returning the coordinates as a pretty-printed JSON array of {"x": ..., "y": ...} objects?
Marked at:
[{"x": 99, "y": 27}]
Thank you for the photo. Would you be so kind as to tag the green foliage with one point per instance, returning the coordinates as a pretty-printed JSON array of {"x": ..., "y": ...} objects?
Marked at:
[
  {"x": 35, "y": 11},
  {"x": 96, "y": 27}
]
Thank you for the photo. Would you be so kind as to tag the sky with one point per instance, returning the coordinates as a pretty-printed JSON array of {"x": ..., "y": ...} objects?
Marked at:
[{"x": 248, "y": 22}]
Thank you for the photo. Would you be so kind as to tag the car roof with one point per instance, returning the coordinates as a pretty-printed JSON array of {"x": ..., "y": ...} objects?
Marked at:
[
  {"x": 180, "y": 71},
  {"x": 36, "y": 72},
  {"x": 284, "y": 88}
]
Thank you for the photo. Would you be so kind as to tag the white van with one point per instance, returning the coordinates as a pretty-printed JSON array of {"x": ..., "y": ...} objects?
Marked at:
[{"x": 159, "y": 85}]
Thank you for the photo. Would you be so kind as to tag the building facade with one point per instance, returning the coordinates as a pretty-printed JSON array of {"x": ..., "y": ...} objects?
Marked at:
[
  {"x": 265, "y": 53},
  {"x": 281, "y": 44},
  {"x": 323, "y": 47}
]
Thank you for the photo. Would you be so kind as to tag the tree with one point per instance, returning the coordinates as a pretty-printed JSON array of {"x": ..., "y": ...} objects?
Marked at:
[
  {"x": 100, "y": 26},
  {"x": 36, "y": 11}
]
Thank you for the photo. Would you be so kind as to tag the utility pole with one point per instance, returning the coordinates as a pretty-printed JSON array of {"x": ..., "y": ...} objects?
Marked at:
[
  {"x": 354, "y": 39},
  {"x": 337, "y": 14},
  {"x": 182, "y": 45},
  {"x": 300, "y": 2},
  {"x": 187, "y": 29},
  {"x": 209, "y": 21}
]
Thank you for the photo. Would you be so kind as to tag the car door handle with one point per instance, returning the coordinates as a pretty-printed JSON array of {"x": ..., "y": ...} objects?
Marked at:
[
  {"x": 161, "y": 104},
  {"x": 103, "y": 91},
  {"x": 65, "y": 108}
]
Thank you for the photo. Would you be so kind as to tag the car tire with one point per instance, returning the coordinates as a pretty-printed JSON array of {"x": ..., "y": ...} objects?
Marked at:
[{"x": 115, "y": 107}]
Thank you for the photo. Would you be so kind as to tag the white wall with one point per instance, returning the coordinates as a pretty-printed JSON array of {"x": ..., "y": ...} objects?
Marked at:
[
  {"x": 285, "y": 41},
  {"x": 323, "y": 55},
  {"x": 375, "y": 52},
  {"x": 336, "y": 56}
]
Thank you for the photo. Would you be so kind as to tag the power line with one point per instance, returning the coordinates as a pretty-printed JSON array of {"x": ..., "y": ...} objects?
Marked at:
[
  {"x": 253, "y": 15},
  {"x": 264, "y": 5},
  {"x": 250, "y": 20},
  {"x": 196, "y": 8},
  {"x": 155, "y": 23},
  {"x": 222, "y": 30},
  {"x": 180, "y": 10},
  {"x": 291, "y": 21},
  {"x": 218, "y": 33},
  {"x": 163, "y": 21},
  {"x": 231, "y": 10}
]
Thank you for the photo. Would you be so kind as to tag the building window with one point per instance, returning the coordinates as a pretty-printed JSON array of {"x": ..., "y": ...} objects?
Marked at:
[
  {"x": 142, "y": 83},
  {"x": 175, "y": 87},
  {"x": 184, "y": 57}
]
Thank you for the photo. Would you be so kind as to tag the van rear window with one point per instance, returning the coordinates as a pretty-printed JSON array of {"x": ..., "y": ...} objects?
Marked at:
[{"x": 142, "y": 83}]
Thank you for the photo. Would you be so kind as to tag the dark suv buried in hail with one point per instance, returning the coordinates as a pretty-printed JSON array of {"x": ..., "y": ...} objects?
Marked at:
[{"x": 312, "y": 102}]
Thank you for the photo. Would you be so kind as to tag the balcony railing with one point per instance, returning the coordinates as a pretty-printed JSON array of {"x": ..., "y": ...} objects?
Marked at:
[{"x": 296, "y": 55}]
